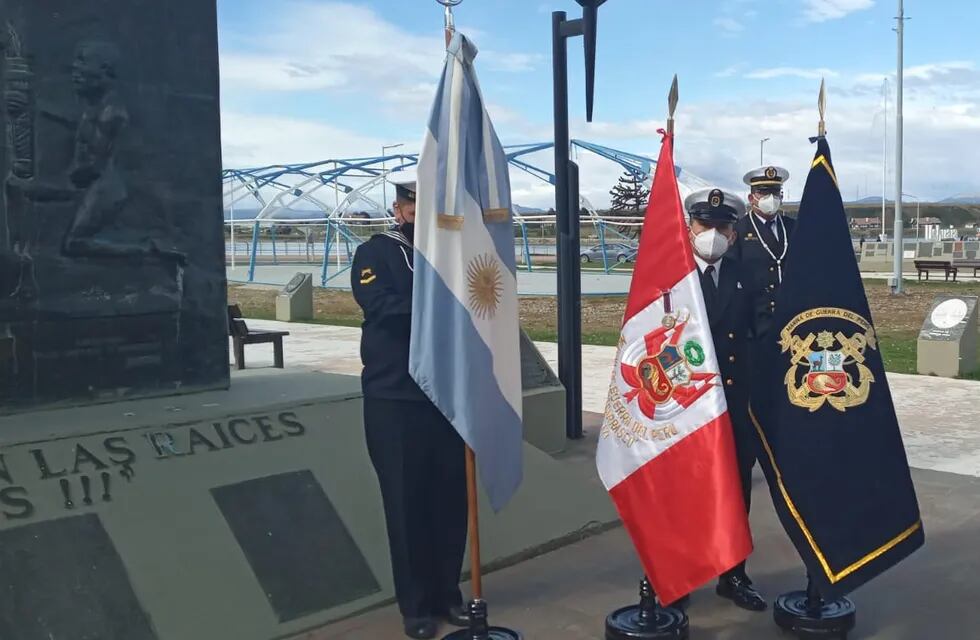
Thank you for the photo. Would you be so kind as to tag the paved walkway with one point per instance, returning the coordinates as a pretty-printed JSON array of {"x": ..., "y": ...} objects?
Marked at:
[
  {"x": 566, "y": 594},
  {"x": 940, "y": 418}
]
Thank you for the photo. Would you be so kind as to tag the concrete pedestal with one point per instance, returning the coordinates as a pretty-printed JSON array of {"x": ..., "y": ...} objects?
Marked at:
[
  {"x": 947, "y": 344},
  {"x": 250, "y": 514}
]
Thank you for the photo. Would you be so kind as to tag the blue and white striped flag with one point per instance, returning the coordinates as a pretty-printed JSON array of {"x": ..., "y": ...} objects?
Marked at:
[{"x": 465, "y": 352}]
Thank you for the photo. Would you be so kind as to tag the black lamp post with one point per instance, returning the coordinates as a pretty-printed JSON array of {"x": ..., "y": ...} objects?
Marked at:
[{"x": 567, "y": 206}]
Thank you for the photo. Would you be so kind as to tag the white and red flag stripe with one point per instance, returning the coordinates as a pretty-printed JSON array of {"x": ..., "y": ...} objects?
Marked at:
[{"x": 666, "y": 453}]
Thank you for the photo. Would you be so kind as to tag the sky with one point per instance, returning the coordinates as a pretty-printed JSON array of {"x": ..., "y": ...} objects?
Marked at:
[{"x": 306, "y": 80}]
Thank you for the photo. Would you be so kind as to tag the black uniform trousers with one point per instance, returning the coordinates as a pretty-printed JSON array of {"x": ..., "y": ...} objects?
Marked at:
[
  {"x": 419, "y": 459},
  {"x": 729, "y": 304}
]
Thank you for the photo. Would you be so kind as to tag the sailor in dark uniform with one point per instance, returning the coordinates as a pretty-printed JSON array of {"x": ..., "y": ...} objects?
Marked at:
[
  {"x": 416, "y": 452},
  {"x": 713, "y": 213},
  {"x": 764, "y": 239}
]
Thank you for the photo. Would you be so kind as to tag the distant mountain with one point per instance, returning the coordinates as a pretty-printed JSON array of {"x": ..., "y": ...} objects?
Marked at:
[
  {"x": 869, "y": 200},
  {"x": 527, "y": 211},
  {"x": 962, "y": 199}
]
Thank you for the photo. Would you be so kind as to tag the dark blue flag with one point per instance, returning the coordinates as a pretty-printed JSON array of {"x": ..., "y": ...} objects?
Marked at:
[{"x": 831, "y": 446}]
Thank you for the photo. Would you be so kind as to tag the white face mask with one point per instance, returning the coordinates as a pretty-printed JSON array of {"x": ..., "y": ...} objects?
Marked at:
[
  {"x": 769, "y": 205},
  {"x": 711, "y": 245}
]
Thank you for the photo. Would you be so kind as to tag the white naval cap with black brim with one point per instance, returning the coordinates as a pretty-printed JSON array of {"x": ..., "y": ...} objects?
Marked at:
[{"x": 714, "y": 205}]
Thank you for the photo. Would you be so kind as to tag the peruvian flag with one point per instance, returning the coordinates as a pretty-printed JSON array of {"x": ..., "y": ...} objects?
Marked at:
[{"x": 666, "y": 453}]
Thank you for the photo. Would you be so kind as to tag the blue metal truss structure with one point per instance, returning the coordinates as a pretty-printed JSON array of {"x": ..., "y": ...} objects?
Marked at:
[{"x": 298, "y": 189}]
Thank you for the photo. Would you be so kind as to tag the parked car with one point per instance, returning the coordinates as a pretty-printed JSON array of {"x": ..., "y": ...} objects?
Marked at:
[
  {"x": 629, "y": 257},
  {"x": 615, "y": 252}
]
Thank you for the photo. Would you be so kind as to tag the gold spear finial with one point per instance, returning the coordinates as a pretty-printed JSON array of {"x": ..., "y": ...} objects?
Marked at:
[
  {"x": 672, "y": 99},
  {"x": 822, "y": 105}
]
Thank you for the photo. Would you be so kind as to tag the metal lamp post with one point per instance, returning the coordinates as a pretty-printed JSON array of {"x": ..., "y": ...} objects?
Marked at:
[
  {"x": 567, "y": 206},
  {"x": 899, "y": 140},
  {"x": 762, "y": 150}
]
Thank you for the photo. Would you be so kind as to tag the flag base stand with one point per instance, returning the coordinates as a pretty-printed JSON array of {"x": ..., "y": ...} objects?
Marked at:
[
  {"x": 647, "y": 620},
  {"x": 810, "y": 617},
  {"x": 479, "y": 628}
]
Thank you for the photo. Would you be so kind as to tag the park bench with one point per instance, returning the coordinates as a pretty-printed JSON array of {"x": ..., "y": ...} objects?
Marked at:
[
  {"x": 969, "y": 264},
  {"x": 926, "y": 266},
  {"x": 241, "y": 335}
]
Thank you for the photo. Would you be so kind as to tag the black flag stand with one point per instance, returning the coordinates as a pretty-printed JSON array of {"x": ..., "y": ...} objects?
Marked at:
[
  {"x": 479, "y": 628},
  {"x": 805, "y": 613},
  {"x": 647, "y": 620}
]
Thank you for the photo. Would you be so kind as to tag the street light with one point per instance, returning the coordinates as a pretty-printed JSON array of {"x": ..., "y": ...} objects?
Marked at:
[
  {"x": 762, "y": 150},
  {"x": 384, "y": 172}
]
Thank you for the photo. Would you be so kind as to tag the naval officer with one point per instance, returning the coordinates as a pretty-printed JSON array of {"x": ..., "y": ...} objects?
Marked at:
[
  {"x": 763, "y": 242},
  {"x": 713, "y": 215},
  {"x": 416, "y": 452}
]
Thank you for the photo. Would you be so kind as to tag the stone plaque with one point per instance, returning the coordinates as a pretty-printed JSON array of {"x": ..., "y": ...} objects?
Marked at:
[
  {"x": 947, "y": 344},
  {"x": 535, "y": 371},
  {"x": 112, "y": 280},
  {"x": 300, "y": 550},
  {"x": 64, "y": 579}
]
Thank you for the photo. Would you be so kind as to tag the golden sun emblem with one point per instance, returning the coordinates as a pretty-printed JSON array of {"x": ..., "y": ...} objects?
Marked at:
[{"x": 485, "y": 285}]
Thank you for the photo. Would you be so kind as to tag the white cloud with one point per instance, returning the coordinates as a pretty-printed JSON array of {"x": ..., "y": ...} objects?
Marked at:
[
  {"x": 250, "y": 140},
  {"x": 729, "y": 25},
  {"x": 510, "y": 62},
  {"x": 730, "y": 71},
  {"x": 310, "y": 46},
  {"x": 263, "y": 73},
  {"x": 823, "y": 10},
  {"x": 791, "y": 72}
]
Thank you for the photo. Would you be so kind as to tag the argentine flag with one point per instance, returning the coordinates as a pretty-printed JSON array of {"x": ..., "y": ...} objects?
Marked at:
[{"x": 465, "y": 350}]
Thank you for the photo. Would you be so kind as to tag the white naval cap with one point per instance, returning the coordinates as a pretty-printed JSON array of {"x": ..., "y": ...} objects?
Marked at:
[
  {"x": 714, "y": 205},
  {"x": 768, "y": 176},
  {"x": 405, "y": 182}
]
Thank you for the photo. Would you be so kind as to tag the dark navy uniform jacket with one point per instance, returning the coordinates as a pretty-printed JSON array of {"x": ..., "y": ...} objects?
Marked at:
[
  {"x": 760, "y": 270},
  {"x": 730, "y": 317},
  {"x": 381, "y": 278}
]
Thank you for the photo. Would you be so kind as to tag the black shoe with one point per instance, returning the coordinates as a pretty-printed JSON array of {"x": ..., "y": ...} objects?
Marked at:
[
  {"x": 458, "y": 616},
  {"x": 739, "y": 590},
  {"x": 420, "y": 628}
]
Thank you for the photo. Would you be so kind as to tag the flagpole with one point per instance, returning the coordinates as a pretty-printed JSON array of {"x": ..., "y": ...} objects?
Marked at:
[
  {"x": 479, "y": 628},
  {"x": 899, "y": 243},
  {"x": 648, "y": 620},
  {"x": 476, "y": 574}
]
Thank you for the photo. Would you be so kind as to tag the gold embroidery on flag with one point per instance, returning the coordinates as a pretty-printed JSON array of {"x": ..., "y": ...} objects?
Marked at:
[
  {"x": 496, "y": 215},
  {"x": 449, "y": 222},
  {"x": 822, "y": 160},
  {"x": 833, "y": 576},
  {"x": 828, "y": 368}
]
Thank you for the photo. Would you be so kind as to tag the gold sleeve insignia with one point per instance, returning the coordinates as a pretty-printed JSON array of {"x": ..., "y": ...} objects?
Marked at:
[{"x": 367, "y": 276}]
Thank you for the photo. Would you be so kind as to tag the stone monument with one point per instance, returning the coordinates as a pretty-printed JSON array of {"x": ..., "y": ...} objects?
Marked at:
[
  {"x": 947, "y": 344},
  {"x": 112, "y": 280},
  {"x": 295, "y": 301},
  {"x": 250, "y": 512}
]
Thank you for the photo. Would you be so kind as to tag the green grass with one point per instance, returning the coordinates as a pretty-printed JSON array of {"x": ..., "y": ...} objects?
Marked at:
[
  {"x": 898, "y": 350},
  {"x": 899, "y": 353},
  {"x": 594, "y": 338}
]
